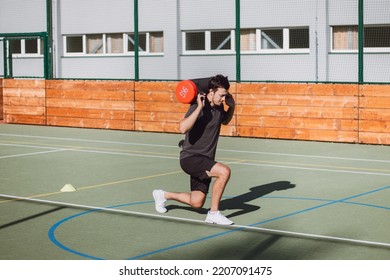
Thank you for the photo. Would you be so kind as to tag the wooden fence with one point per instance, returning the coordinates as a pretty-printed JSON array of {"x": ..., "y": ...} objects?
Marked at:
[{"x": 318, "y": 112}]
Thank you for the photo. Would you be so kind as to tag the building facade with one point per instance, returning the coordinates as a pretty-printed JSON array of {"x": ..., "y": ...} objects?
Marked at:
[{"x": 279, "y": 40}]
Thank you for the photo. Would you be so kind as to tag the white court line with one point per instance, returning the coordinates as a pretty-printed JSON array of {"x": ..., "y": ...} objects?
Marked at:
[
  {"x": 306, "y": 156},
  {"x": 231, "y": 162},
  {"x": 175, "y": 146},
  {"x": 232, "y": 227},
  {"x": 245, "y": 163},
  {"x": 52, "y": 150},
  {"x": 313, "y": 169}
]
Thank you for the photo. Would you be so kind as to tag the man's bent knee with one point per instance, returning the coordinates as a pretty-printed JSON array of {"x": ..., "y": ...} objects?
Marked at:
[
  {"x": 220, "y": 170},
  {"x": 197, "y": 204},
  {"x": 197, "y": 199}
]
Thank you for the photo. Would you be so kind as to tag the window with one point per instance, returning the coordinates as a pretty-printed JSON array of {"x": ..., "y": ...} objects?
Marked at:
[
  {"x": 27, "y": 47},
  {"x": 377, "y": 37},
  {"x": 74, "y": 44},
  {"x": 31, "y": 46},
  {"x": 141, "y": 42},
  {"x": 94, "y": 44},
  {"x": 248, "y": 40},
  {"x": 208, "y": 41},
  {"x": 345, "y": 38},
  {"x": 113, "y": 43},
  {"x": 275, "y": 40},
  {"x": 220, "y": 40},
  {"x": 195, "y": 41},
  {"x": 272, "y": 39},
  {"x": 156, "y": 42},
  {"x": 299, "y": 38},
  {"x": 150, "y": 42}
]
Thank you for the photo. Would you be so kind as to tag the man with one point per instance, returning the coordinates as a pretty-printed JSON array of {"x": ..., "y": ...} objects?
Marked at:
[{"x": 201, "y": 126}]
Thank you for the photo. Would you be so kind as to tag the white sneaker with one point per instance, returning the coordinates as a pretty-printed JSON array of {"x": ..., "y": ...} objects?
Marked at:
[
  {"x": 217, "y": 218},
  {"x": 159, "y": 200}
]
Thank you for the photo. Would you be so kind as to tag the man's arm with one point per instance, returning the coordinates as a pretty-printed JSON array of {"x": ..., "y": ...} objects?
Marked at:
[
  {"x": 187, "y": 123},
  {"x": 230, "y": 112}
]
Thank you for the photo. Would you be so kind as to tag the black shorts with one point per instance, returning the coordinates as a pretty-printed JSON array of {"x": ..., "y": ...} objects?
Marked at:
[{"x": 196, "y": 166}]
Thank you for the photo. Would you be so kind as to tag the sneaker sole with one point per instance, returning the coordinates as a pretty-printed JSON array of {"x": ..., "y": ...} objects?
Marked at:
[{"x": 214, "y": 223}]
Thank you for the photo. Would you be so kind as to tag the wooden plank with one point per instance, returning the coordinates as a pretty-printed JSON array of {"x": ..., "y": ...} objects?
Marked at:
[
  {"x": 375, "y": 90},
  {"x": 228, "y": 130},
  {"x": 156, "y": 86},
  {"x": 298, "y": 89},
  {"x": 297, "y": 111},
  {"x": 298, "y": 134},
  {"x": 90, "y": 113},
  {"x": 298, "y": 100},
  {"x": 375, "y": 102},
  {"x": 90, "y": 104},
  {"x": 23, "y": 101},
  {"x": 85, "y": 85},
  {"x": 90, "y": 123},
  {"x": 25, "y": 119},
  {"x": 24, "y": 92},
  {"x": 89, "y": 94},
  {"x": 23, "y": 110},
  {"x": 161, "y": 107},
  {"x": 374, "y": 114},
  {"x": 167, "y": 127},
  {"x": 374, "y": 138},
  {"x": 291, "y": 122},
  {"x": 158, "y": 116},
  {"x": 374, "y": 126},
  {"x": 24, "y": 83},
  {"x": 156, "y": 96}
]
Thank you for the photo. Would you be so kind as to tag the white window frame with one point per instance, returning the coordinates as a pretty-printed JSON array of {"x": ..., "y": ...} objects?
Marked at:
[
  {"x": 285, "y": 50},
  {"x": 147, "y": 47},
  {"x": 208, "y": 49},
  {"x": 286, "y": 42},
  {"x": 125, "y": 51},
  {"x": 366, "y": 50},
  {"x": 84, "y": 46},
  {"x": 23, "y": 53}
]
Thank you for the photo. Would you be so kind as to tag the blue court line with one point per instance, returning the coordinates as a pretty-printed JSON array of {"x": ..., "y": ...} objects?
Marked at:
[
  {"x": 52, "y": 230},
  {"x": 51, "y": 233},
  {"x": 320, "y": 206},
  {"x": 259, "y": 223}
]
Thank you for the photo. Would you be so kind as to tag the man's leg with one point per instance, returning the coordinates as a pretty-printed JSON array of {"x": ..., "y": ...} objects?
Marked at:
[
  {"x": 195, "y": 199},
  {"x": 222, "y": 174}
]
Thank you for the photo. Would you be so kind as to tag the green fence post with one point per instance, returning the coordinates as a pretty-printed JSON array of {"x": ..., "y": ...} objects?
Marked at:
[
  {"x": 361, "y": 42},
  {"x": 5, "y": 57},
  {"x": 48, "y": 42},
  {"x": 45, "y": 57},
  {"x": 238, "y": 43},
  {"x": 136, "y": 42},
  {"x": 10, "y": 66}
]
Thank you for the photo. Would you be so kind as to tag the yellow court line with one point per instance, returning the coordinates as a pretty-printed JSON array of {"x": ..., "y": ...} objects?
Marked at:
[
  {"x": 102, "y": 185},
  {"x": 129, "y": 180}
]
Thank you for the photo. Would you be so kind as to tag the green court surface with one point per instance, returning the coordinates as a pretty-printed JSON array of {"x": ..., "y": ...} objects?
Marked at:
[{"x": 290, "y": 200}]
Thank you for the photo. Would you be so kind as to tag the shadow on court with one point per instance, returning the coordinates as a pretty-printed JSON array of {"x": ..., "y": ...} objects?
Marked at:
[
  {"x": 240, "y": 202},
  {"x": 30, "y": 217}
]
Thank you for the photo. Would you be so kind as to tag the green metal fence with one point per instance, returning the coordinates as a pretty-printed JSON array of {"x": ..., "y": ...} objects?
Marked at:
[{"x": 329, "y": 47}]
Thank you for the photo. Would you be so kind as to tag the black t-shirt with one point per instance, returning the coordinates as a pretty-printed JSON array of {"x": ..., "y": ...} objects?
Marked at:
[{"x": 203, "y": 137}]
